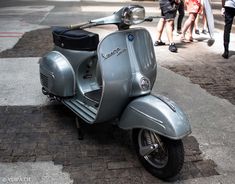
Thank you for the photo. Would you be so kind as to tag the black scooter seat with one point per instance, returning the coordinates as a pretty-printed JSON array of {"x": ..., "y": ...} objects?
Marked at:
[{"x": 75, "y": 39}]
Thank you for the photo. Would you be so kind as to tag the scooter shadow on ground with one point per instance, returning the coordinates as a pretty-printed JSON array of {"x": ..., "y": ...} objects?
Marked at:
[{"x": 104, "y": 133}]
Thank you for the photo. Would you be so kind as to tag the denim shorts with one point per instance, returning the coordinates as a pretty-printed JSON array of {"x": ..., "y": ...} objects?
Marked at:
[{"x": 169, "y": 15}]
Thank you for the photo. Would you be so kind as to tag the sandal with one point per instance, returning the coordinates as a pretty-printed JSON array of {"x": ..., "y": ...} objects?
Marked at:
[
  {"x": 204, "y": 31},
  {"x": 183, "y": 39},
  {"x": 197, "y": 31},
  {"x": 190, "y": 39},
  {"x": 159, "y": 43}
]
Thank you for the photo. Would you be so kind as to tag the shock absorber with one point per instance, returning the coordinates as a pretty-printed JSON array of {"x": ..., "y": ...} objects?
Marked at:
[{"x": 148, "y": 137}]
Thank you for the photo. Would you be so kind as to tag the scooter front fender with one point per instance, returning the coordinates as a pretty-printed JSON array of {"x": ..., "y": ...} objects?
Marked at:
[{"x": 156, "y": 113}]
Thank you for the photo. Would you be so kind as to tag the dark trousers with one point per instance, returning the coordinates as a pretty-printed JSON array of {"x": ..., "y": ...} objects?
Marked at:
[
  {"x": 181, "y": 15},
  {"x": 229, "y": 15}
]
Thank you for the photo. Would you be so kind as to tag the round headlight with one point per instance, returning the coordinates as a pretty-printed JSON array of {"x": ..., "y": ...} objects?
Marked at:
[{"x": 133, "y": 14}]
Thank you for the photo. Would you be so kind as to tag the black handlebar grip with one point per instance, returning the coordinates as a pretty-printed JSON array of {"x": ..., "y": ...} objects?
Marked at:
[{"x": 149, "y": 19}]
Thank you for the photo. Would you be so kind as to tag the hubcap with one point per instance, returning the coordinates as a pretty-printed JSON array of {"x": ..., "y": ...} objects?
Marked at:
[{"x": 152, "y": 148}]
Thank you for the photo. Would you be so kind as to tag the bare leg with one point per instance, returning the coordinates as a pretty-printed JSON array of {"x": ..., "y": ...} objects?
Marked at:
[
  {"x": 204, "y": 23},
  {"x": 190, "y": 21},
  {"x": 196, "y": 25},
  {"x": 160, "y": 27},
  {"x": 169, "y": 30},
  {"x": 190, "y": 35}
]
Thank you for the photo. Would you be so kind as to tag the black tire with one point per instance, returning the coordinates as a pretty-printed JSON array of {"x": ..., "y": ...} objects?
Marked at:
[{"x": 162, "y": 164}]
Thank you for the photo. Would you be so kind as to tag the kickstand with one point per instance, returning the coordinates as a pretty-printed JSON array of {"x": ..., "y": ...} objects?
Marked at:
[{"x": 79, "y": 129}]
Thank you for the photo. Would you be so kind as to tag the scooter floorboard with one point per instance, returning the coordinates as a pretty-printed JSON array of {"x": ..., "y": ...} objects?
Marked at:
[
  {"x": 86, "y": 112},
  {"x": 94, "y": 95}
]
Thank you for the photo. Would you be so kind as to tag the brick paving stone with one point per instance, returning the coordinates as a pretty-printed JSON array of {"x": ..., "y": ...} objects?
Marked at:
[
  {"x": 6, "y": 159},
  {"x": 148, "y": 178},
  {"x": 6, "y": 152},
  {"x": 206, "y": 168},
  {"x": 194, "y": 171},
  {"x": 41, "y": 158},
  {"x": 131, "y": 180},
  {"x": 105, "y": 155},
  {"x": 24, "y": 158},
  {"x": 99, "y": 165},
  {"x": 119, "y": 165},
  {"x": 122, "y": 173},
  {"x": 185, "y": 174}
]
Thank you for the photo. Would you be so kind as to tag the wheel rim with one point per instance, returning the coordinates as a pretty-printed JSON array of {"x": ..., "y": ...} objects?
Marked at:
[{"x": 158, "y": 157}]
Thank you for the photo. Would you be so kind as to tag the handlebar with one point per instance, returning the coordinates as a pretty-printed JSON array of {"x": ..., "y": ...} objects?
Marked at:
[{"x": 91, "y": 24}]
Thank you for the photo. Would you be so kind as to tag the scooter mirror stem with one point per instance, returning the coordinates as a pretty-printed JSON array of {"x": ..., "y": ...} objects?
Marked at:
[
  {"x": 83, "y": 25},
  {"x": 113, "y": 19},
  {"x": 77, "y": 26}
]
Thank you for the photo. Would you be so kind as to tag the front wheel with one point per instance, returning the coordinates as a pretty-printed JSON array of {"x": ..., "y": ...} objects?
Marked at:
[{"x": 161, "y": 156}]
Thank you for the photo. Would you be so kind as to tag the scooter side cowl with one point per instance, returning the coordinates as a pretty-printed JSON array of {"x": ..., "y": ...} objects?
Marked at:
[{"x": 56, "y": 75}]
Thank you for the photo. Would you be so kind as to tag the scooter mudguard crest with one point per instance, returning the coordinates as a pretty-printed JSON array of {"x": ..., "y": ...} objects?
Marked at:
[{"x": 156, "y": 113}]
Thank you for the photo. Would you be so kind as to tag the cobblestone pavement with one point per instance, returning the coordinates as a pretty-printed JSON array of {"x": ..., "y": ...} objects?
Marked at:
[
  {"x": 217, "y": 80},
  {"x": 48, "y": 133},
  {"x": 211, "y": 72},
  {"x": 204, "y": 65}
]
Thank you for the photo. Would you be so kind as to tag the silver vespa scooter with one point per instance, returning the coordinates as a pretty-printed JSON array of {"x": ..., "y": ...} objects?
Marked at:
[{"x": 112, "y": 79}]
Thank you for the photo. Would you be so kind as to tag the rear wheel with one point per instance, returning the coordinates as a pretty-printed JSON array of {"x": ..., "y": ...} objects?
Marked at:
[{"x": 161, "y": 156}]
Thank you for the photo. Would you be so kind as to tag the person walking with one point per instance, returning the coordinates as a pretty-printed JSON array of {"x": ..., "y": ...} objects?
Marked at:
[
  {"x": 228, "y": 11},
  {"x": 204, "y": 24},
  {"x": 204, "y": 21},
  {"x": 180, "y": 16},
  {"x": 193, "y": 7},
  {"x": 168, "y": 12}
]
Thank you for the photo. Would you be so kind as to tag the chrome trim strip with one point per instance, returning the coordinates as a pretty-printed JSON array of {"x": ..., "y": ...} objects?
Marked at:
[{"x": 150, "y": 118}]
